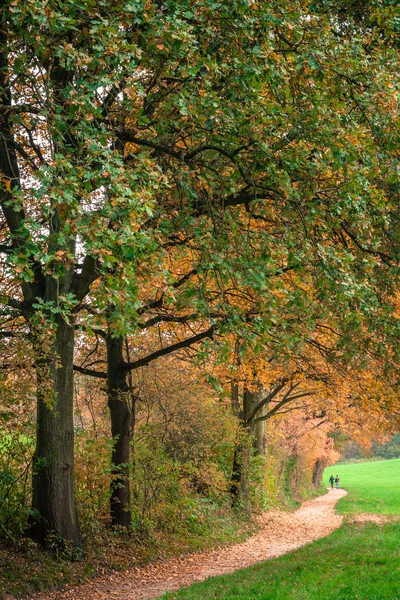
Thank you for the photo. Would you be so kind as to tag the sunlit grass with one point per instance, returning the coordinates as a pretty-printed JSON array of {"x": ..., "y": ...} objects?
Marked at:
[
  {"x": 374, "y": 487},
  {"x": 357, "y": 562}
]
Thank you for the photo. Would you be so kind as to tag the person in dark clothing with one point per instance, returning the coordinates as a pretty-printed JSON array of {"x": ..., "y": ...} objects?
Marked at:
[{"x": 331, "y": 481}]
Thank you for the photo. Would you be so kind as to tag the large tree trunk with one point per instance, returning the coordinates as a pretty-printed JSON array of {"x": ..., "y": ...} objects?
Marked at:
[
  {"x": 318, "y": 472},
  {"x": 260, "y": 428},
  {"x": 53, "y": 503},
  {"x": 251, "y": 399},
  {"x": 239, "y": 488},
  {"x": 53, "y": 499},
  {"x": 242, "y": 450},
  {"x": 236, "y": 469},
  {"x": 121, "y": 429}
]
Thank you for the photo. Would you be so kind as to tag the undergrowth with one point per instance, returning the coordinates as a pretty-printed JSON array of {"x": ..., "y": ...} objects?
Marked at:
[{"x": 25, "y": 568}]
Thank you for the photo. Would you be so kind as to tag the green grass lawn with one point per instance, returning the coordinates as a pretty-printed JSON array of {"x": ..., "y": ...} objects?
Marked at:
[
  {"x": 374, "y": 487},
  {"x": 357, "y": 562}
]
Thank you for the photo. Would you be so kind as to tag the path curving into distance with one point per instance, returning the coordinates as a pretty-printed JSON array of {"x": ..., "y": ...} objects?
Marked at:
[{"x": 280, "y": 532}]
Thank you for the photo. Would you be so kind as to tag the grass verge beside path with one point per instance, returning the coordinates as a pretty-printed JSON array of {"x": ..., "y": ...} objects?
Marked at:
[{"x": 374, "y": 487}]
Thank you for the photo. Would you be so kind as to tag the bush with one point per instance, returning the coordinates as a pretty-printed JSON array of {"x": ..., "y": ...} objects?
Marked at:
[
  {"x": 92, "y": 482},
  {"x": 16, "y": 451}
]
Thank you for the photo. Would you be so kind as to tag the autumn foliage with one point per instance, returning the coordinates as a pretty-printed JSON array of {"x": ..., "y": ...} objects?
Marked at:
[{"x": 199, "y": 272}]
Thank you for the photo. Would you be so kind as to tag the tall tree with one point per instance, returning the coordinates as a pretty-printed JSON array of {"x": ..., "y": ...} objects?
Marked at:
[
  {"x": 55, "y": 91},
  {"x": 238, "y": 131}
]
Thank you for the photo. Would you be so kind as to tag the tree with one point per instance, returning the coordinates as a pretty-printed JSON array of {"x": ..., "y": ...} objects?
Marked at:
[
  {"x": 120, "y": 393},
  {"x": 238, "y": 132},
  {"x": 53, "y": 108}
]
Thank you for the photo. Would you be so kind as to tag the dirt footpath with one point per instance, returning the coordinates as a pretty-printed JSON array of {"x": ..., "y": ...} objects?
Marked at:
[{"x": 279, "y": 533}]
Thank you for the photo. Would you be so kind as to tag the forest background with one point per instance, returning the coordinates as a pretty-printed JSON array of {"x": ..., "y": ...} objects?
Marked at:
[{"x": 199, "y": 272}]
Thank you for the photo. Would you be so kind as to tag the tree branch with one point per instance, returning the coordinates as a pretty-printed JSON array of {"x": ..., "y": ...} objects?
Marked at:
[
  {"x": 17, "y": 109},
  {"x": 385, "y": 258},
  {"x": 159, "y": 302},
  {"x": 166, "y": 319},
  {"x": 126, "y": 136},
  {"x": 266, "y": 400},
  {"x": 282, "y": 403},
  {"x": 96, "y": 330},
  {"x": 8, "y": 301},
  {"x": 83, "y": 280},
  {"x": 141, "y": 362},
  {"x": 111, "y": 96},
  {"x": 90, "y": 372}
]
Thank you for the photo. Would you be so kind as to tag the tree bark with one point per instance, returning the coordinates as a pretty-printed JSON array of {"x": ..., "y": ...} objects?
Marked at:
[
  {"x": 53, "y": 502},
  {"x": 242, "y": 450},
  {"x": 122, "y": 416},
  {"x": 251, "y": 400},
  {"x": 53, "y": 498},
  {"x": 241, "y": 454},
  {"x": 236, "y": 470},
  {"x": 318, "y": 472}
]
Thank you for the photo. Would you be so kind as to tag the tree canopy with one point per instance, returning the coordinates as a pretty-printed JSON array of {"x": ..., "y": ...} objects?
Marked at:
[{"x": 222, "y": 170}]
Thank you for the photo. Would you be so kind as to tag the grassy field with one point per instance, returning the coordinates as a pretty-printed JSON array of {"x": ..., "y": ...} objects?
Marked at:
[
  {"x": 357, "y": 562},
  {"x": 374, "y": 487}
]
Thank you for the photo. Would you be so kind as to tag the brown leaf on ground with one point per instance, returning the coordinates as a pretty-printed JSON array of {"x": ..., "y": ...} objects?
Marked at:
[
  {"x": 279, "y": 533},
  {"x": 372, "y": 518}
]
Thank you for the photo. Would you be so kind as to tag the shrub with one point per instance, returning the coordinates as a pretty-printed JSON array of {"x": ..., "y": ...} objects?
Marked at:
[{"x": 16, "y": 451}]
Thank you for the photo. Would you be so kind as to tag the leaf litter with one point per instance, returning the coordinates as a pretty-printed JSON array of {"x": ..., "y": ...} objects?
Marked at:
[{"x": 279, "y": 533}]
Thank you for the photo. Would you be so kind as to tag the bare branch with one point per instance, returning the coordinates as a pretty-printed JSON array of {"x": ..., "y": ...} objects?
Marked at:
[
  {"x": 283, "y": 402},
  {"x": 8, "y": 301},
  {"x": 90, "y": 372},
  {"x": 141, "y": 362},
  {"x": 266, "y": 400},
  {"x": 18, "y": 109}
]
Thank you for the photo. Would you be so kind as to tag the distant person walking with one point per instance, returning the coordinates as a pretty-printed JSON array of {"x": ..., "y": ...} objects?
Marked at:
[
  {"x": 331, "y": 481},
  {"x": 337, "y": 481}
]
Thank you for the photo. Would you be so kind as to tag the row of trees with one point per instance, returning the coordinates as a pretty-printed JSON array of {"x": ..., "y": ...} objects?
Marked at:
[{"x": 205, "y": 175}]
